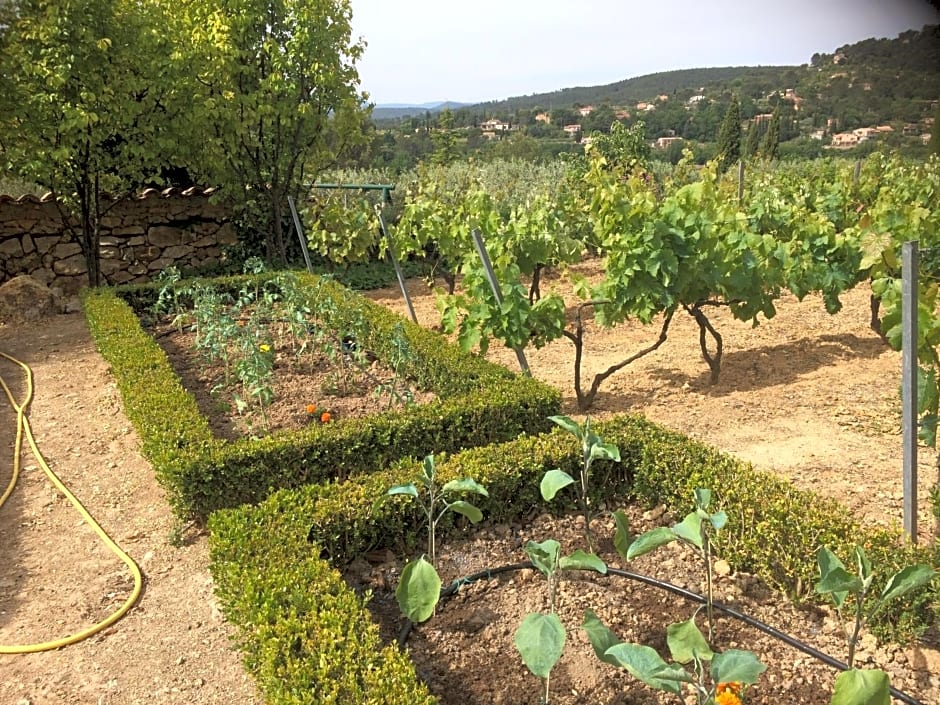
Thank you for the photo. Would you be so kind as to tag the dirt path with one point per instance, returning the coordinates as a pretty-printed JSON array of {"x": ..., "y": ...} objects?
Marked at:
[{"x": 58, "y": 578}]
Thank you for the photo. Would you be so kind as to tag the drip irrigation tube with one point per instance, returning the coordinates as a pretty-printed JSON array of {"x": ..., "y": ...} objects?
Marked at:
[
  {"x": 23, "y": 429},
  {"x": 490, "y": 573}
]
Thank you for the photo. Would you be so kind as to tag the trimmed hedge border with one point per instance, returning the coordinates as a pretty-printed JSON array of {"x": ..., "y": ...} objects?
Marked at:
[
  {"x": 478, "y": 403},
  {"x": 268, "y": 575}
]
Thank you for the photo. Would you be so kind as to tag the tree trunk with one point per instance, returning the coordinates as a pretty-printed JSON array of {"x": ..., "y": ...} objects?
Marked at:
[{"x": 705, "y": 327}]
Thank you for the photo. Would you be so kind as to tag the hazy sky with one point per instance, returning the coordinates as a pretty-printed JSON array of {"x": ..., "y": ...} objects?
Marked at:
[{"x": 470, "y": 51}]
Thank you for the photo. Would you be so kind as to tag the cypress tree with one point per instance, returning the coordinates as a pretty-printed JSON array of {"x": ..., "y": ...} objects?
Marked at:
[
  {"x": 768, "y": 148},
  {"x": 752, "y": 145},
  {"x": 729, "y": 135}
]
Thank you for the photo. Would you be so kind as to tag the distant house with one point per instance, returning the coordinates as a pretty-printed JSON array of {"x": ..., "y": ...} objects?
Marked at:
[
  {"x": 494, "y": 126},
  {"x": 910, "y": 129},
  {"x": 544, "y": 117},
  {"x": 695, "y": 99},
  {"x": 585, "y": 110},
  {"x": 662, "y": 98},
  {"x": 763, "y": 117},
  {"x": 572, "y": 129},
  {"x": 925, "y": 138},
  {"x": 664, "y": 142},
  {"x": 863, "y": 133},
  {"x": 642, "y": 106},
  {"x": 817, "y": 134},
  {"x": 622, "y": 114},
  {"x": 844, "y": 140},
  {"x": 884, "y": 129}
]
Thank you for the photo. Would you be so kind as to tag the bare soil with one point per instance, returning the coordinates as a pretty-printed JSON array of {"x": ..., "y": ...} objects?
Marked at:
[
  {"x": 307, "y": 388},
  {"x": 807, "y": 395}
]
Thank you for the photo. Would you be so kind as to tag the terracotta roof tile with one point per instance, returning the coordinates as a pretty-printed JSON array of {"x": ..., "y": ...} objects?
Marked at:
[{"x": 146, "y": 193}]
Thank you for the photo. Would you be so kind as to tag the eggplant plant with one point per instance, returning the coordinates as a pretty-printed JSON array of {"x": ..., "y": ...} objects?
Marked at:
[
  {"x": 592, "y": 448},
  {"x": 870, "y": 686},
  {"x": 540, "y": 639},
  {"x": 419, "y": 588},
  {"x": 695, "y": 530}
]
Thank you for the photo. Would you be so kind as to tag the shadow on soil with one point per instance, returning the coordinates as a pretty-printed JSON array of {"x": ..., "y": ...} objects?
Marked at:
[
  {"x": 12, "y": 575},
  {"x": 770, "y": 366}
]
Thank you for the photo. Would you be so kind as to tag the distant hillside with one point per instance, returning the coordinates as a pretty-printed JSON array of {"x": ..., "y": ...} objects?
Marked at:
[
  {"x": 636, "y": 89},
  {"x": 396, "y": 111}
]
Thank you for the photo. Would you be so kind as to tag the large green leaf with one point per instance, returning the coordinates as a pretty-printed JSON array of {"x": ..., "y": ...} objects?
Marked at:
[
  {"x": 467, "y": 509},
  {"x": 465, "y": 485},
  {"x": 570, "y": 425},
  {"x": 600, "y": 636},
  {"x": 914, "y": 576},
  {"x": 646, "y": 665},
  {"x": 408, "y": 489},
  {"x": 552, "y": 482},
  {"x": 829, "y": 563},
  {"x": 605, "y": 451},
  {"x": 582, "y": 560},
  {"x": 855, "y": 687},
  {"x": 419, "y": 590},
  {"x": 540, "y": 640},
  {"x": 622, "y": 534},
  {"x": 650, "y": 540},
  {"x": 736, "y": 665},
  {"x": 686, "y": 642},
  {"x": 690, "y": 529}
]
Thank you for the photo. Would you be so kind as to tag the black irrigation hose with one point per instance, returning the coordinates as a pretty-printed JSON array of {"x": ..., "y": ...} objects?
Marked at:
[{"x": 488, "y": 574}]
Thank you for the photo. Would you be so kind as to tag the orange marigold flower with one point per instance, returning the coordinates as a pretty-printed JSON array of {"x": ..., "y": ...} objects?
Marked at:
[
  {"x": 311, "y": 409},
  {"x": 326, "y": 417},
  {"x": 730, "y": 686},
  {"x": 241, "y": 324},
  {"x": 727, "y": 697}
]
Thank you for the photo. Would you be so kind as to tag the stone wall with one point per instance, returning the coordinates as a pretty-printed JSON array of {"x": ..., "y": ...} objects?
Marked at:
[{"x": 140, "y": 237}]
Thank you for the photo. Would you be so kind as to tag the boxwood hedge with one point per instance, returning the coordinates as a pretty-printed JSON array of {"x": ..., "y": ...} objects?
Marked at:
[{"x": 477, "y": 403}]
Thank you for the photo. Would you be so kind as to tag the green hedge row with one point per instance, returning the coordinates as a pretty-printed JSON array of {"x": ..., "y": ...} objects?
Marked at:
[
  {"x": 264, "y": 566},
  {"x": 478, "y": 403}
]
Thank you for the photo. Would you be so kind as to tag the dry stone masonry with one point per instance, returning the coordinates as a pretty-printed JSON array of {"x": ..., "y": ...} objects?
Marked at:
[{"x": 140, "y": 237}]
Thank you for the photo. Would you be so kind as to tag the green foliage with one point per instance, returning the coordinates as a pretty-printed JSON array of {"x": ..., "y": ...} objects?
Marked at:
[
  {"x": 686, "y": 645},
  {"x": 835, "y": 580},
  {"x": 90, "y": 105},
  {"x": 696, "y": 530},
  {"x": 307, "y": 638},
  {"x": 771, "y": 142},
  {"x": 275, "y": 87}
]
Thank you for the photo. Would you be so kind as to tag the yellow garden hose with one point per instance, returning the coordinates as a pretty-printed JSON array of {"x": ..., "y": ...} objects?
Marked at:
[{"x": 22, "y": 428}]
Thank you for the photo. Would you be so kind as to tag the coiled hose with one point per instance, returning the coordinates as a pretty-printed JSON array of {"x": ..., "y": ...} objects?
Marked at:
[{"x": 23, "y": 429}]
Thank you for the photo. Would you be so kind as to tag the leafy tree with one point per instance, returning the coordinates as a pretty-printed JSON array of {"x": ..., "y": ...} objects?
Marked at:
[
  {"x": 623, "y": 147},
  {"x": 89, "y": 105},
  {"x": 278, "y": 94},
  {"x": 729, "y": 136},
  {"x": 768, "y": 147}
]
